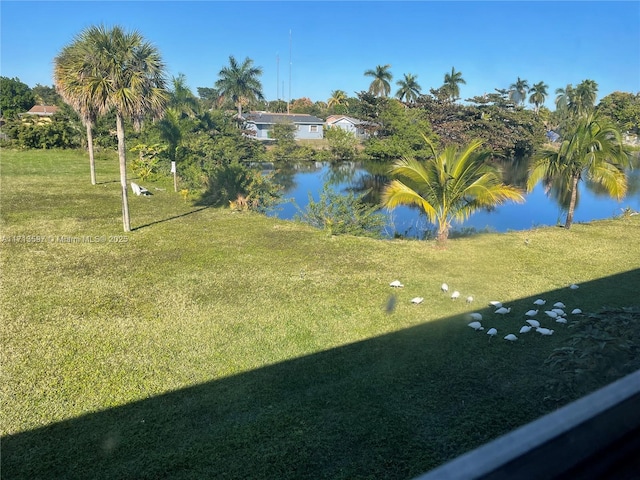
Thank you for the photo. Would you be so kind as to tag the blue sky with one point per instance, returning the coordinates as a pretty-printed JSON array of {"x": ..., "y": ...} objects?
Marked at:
[{"x": 334, "y": 42}]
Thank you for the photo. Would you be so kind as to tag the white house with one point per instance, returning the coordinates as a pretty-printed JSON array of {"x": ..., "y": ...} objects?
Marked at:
[
  {"x": 350, "y": 124},
  {"x": 308, "y": 127}
]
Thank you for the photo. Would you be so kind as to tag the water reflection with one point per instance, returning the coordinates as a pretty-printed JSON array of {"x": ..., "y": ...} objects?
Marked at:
[{"x": 541, "y": 207}]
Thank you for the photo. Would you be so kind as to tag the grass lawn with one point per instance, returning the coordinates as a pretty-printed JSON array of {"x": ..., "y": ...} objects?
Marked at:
[{"x": 212, "y": 344}]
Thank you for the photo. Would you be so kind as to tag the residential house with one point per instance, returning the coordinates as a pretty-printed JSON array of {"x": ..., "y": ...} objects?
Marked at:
[
  {"x": 360, "y": 128},
  {"x": 308, "y": 127},
  {"x": 39, "y": 114},
  {"x": 42, "y": 110}
]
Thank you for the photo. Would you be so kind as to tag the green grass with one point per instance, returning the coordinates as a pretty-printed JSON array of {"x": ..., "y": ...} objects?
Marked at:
[{"x": 208, "y": 344}]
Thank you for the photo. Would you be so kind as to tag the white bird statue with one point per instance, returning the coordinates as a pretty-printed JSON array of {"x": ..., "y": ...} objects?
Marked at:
[
  {"x": 396, "y": 284},
  {"x": 492, "y": 332},
  {"x": 503, "y": 310},
  {"x": 573, "y": 286},
  {"x": 475, "y": 316},
  {"x": 511, "y": 337},
  {"x": 469, "y": 299},
  {"x": 561, "y": 320},
  {"x": 477, "y": 326},
  {"x": 539, "y": 302},
  {"x": 444, "y": 287},
  {"x": 455, "y": 295},
  {"x": 544, "y": 331},
  {"x": 417, "y": 300},
  {"x": 495, "y": 303},
  {"x": 576, "y": 311},
  {"x": 559, "y": 305},
  {"x": 525, "y": 329},
  {"x": 533, "y": 323},
  {"x": 551, "y": 313},
  {"x": 531, "y": 313}
]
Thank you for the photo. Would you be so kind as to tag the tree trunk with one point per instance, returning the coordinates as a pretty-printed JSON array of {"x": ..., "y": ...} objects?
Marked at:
[
  {"x": 443, "y": 233},
  {"x": 92, "y": 164},
  {"x": 572, "y": 202},
  {"x": 123, "y": 173}
]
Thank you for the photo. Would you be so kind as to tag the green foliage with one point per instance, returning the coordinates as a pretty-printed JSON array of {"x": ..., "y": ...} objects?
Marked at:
[
  {"x": 342, "y": 144},
  {"x": 400, "y": 134},
  {"x": 509, "y": 132},
  {"x": 145, "y": 164},
  {"x": 342, "y": 214},
  {"x": 43, "y": 133},
  {"x": 15, "y": 97},
  {"x": 46, "y": 95},
  {"x": 623, "y": 109},
  {"x": 240, "y": 186},
  {"x": 286, "y": 147},
  {"x": 603, "y": 347}
]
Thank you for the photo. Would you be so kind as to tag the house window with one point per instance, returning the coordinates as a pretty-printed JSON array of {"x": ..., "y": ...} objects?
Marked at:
[{"x": 313, "y": 128}]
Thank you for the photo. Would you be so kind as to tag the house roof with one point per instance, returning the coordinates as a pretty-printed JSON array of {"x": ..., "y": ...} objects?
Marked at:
[
  {"x": 355, "y": 121},
  {"x": 272, "y": 118},
  {"x": 42, "y": 110}
]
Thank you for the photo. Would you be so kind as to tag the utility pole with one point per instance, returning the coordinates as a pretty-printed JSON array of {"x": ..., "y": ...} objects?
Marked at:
[{"x": 289, "y": 101}]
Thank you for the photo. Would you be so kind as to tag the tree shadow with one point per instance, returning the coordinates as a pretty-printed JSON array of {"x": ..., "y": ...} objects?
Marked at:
[
  {"x": 169, "y": 219},
  {"x": 371, "y": 409}
]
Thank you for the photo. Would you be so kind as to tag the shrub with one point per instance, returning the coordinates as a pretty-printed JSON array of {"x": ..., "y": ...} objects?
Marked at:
[{"x": 342, "y": 214}]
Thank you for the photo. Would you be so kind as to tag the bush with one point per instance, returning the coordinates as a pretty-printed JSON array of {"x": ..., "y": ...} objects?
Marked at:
[
  {"x": 241, "y": 187},
  {"x": 342, "y": 214},
  {"x": 342, "y": 144}
]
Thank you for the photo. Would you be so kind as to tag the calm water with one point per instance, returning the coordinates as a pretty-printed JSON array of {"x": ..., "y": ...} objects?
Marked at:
[{"x": 537, "y": 210}]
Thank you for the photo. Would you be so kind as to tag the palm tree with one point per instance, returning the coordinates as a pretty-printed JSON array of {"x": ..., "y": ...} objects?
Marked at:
[
  {"x": 338, "y": 98},
  {"x": 564, "y": 97},
  {"x": 68, "y": 67},
  {"x": 123, "y": 74},
  {"x": 518, "y": 91},
  {"x": 538, "y": 95},
  {"x": 409, "y": 88},
  {"x": 451, "y": 84},
  {"x": 181, "y": 99},
  {"x": 240, "y": 83},
  {"x": 592, "y": 150},
  {"x": 450, "y": 185},
  {"x": 586, "y": 92},
  {"x": 380, "y": 85}
]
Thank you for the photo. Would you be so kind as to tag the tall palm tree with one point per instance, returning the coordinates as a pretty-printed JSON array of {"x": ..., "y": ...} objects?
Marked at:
[
  {"x": 518, "y": 91},
  {"x": 451, "y": 84},
  {"x": 409, "y": 88},
  {"x": 450, "y": 185},
  {"x": 592, "y": 150},
  {"x": 380, "y": 86},
  {"x": 240, "y": 82},
  {"x": 538, "y": 95},
  {"x": 586, "y": 92},
  {"x": 69, "y": 79},
  {"x": 338, "y": 98},
  {"x": 123, "y": 74},
  {"x": 181, "y": 99},
  {"x": 564, "y": 97}
]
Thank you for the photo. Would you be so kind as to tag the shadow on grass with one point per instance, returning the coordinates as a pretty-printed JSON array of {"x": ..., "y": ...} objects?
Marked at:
[
  {"x": 392, "y": 407},
  {"x": 170, "y": 218}
]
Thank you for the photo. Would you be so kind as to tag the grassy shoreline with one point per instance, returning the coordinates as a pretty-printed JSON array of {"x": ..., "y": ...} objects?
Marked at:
[{"x": 207, "y": 342}]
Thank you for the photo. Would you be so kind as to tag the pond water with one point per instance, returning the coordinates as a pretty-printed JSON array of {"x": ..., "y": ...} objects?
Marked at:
[{"x": 539, "y": 209}]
